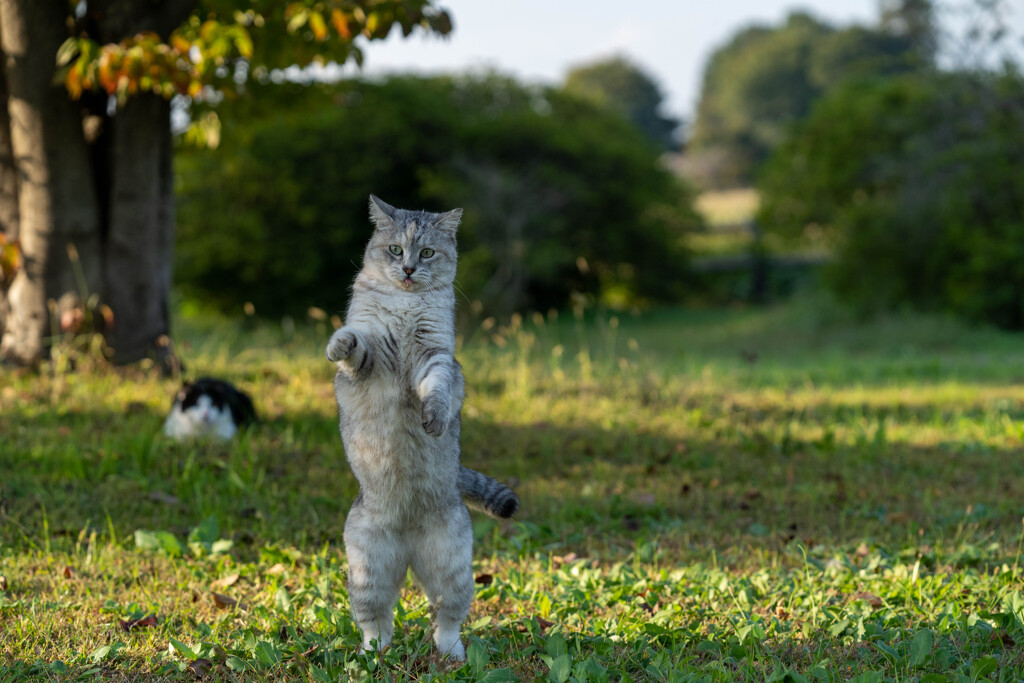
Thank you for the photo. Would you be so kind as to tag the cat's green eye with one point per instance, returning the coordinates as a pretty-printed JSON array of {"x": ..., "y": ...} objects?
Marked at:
[
  {"x": 426, "y": 253},
  {"x": 395, "y": 249}
]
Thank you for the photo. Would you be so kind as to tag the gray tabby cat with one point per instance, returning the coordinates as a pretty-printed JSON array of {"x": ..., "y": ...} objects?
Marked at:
[{"x": 400, "y": 391}]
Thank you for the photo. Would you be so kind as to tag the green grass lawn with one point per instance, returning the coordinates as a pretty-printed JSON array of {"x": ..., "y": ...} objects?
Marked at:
[{"x": 780, "y": 494}]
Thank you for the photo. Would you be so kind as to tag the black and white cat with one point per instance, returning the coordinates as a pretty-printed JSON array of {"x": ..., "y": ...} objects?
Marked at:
[{"x": 209, "y": 408}]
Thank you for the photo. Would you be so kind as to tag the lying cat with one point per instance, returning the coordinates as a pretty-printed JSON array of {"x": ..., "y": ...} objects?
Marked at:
[
  {"x": 400, "y": 391},
  {"x": 208, "y": 408}
]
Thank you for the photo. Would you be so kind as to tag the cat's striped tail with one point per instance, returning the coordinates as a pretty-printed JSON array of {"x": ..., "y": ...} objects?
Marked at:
[{"x": 487, "y": 495}]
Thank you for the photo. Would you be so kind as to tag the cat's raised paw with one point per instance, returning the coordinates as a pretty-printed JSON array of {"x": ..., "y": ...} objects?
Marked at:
[
  {"x": 435, "y": 416},
  {"x": 341, "y": 345}
]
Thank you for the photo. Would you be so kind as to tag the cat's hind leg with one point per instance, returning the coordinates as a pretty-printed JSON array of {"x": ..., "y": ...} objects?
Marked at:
[
  {"x": 442, "y": 561},
  {"x": 377, "y": 564}
]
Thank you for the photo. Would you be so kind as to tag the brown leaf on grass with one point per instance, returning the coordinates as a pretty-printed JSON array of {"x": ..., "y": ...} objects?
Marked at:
[
  {"x": 863, "y": 550},
  {"x": 484, "y": 579},
  {"x": 869, "y": 598},
  {"x": 223, "y": 601},
  {"x": 69, "y": 572},
  {"x": 645, "y": 499},
  {"x": 559, "y": 560},
  {"x": 165, "y": 498},
  {"x": 3, "y": 583},
  {"x": 276, "y": 569},
  {"x": 225, "y": 582},
  {"x": 147, "y": 621},
  {"x": 200, "y": 667},
  {"x": 542, "y": 623},
  {"x": 781, "y": 612}
]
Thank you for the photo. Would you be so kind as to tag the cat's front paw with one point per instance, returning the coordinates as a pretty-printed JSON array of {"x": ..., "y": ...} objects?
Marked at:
[
  {"x": 341, "y": 345},
  {"x": 435, "y": 416}
]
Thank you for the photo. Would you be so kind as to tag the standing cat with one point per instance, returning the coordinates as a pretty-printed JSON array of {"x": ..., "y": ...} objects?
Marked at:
[
  {"x": 208, "y": 407},
  {"x": 400, "y": 391}
]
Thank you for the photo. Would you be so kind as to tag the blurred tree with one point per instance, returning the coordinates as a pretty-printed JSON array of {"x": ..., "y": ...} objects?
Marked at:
[
  {"x": 560, "y": 195},
  {"x": 625, "y": 88},
  {"x": 86, "y": 181},
  {"x": 913, "y": 20},
  {"x": 917, "y": 184},
  {"x": 764, "y": 80}
]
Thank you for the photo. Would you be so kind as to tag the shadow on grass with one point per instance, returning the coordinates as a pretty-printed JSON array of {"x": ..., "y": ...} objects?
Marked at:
[{"x": 599, "y": 492}]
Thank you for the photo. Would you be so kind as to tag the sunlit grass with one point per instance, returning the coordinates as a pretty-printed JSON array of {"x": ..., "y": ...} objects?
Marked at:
[
  {"x": 728, "y": 207},
  {"x": 718, "y": 495}
]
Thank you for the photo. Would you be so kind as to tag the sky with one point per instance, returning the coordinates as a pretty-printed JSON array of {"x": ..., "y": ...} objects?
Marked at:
[{"x": 541, "y": 40}]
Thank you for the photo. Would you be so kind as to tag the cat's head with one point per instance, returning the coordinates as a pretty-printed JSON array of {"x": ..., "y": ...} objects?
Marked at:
[
  {"x": 412, "y": 250},
  {"x": 203, "y": 402}
]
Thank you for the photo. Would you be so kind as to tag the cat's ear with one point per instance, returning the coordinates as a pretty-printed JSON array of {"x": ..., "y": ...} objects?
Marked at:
[
  {"x": 449, "y": 220},
  {"x": 381, "y": 213}
]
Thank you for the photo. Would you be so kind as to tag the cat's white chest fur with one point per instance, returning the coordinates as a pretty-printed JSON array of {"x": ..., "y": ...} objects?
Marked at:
[{"x": 203, "y": 419}]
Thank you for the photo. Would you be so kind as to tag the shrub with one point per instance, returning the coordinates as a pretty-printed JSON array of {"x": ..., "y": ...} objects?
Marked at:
[
  {"x": 559, "y": 195},
  {"x": 918, "y": 185}
]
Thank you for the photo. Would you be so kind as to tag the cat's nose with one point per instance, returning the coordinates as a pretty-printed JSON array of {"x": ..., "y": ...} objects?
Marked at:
[{"x": 409, "y": 271}]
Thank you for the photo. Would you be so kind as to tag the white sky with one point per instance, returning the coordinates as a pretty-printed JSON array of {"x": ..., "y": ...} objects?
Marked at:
[{"x": 540, "y": 40}]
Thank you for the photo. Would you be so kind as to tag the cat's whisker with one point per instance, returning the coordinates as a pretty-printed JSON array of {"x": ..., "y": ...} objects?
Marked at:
[{"x": 457, "y": 288}]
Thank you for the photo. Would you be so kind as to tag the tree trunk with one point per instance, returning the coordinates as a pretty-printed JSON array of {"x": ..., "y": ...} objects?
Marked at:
[
  {"x": 8, "y": 189},
  {"x": 57, "y": 204},
  {"x": 111, "y": 195},
  {"x": 140, "y": 235}
]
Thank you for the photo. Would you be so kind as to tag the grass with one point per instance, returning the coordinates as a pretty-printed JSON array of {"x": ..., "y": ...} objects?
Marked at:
[
  {"x": 779, "y": 494},
  {"x": 728, "y": 207}
]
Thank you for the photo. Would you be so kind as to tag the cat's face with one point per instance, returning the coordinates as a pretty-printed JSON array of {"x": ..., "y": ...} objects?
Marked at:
[
  {"x": 412, "y": 250},
  {"x": 201, "y": 411}
]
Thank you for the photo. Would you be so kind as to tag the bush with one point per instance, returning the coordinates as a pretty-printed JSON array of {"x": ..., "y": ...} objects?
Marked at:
[
  {"x": 559, "y": 196},
  {"x": 917, "y": 185}
]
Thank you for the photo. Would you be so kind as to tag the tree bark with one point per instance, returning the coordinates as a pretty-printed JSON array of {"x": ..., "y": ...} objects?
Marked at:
[
  {"x": 111, "y": 195},
  {"x": 140, "y": 235},
  {"x": 8, "y": 188},
  {"x": 57, "y": 203}
]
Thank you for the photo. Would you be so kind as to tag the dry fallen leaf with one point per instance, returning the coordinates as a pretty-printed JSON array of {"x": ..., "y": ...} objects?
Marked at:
[
  {"x": 559, "y": 560},
  {"x": 223, "y": 601},
  {"x": 224, "y": 582},
  {"x": 165, "y": 498},
  {"x": 645, "y": 499},
  {"x": 69, "y": 573},
  {"x": 869, "y": 598},
  {"x": 147, "y": 621},
  {"x": 3, "y": 583},
  {"x": 200, "y": 667},
  {"x": 276, "y": 569}
]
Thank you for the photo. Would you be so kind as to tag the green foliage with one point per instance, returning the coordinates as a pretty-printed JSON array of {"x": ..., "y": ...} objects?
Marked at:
[
  {"x": 765, "y": 79},
  {"x": 560, "y": 196},
  {"x": 917, "y": 183},
  {"x": 625, "y": 88},
  {"x": 223, "y": 41}
]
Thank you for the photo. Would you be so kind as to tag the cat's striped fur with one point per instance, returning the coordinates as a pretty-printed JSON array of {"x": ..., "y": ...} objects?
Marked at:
[{"x": 400, "y": 391}]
